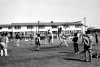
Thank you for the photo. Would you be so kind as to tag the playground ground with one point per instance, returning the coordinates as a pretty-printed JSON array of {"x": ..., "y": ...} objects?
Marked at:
[{"x": 53, "y": 55}]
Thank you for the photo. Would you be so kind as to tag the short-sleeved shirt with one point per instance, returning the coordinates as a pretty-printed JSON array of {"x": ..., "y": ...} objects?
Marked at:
[{"x": 75, "y": 39}]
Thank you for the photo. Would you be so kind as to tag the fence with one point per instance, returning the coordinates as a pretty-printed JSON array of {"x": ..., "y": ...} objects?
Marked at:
[{"x": 96, "y": 50}]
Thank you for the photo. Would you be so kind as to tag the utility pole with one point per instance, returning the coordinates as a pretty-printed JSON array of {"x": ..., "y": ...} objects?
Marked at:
[
  {"x": 51, "y": 31},
  {"x": 85, "y": 22},
  {"x": 84, "y": 25},
  {"x": 38, "y": 25}
]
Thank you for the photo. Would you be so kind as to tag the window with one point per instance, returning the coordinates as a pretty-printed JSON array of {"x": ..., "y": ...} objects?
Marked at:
[
  {"x": 29, "y": 27},
  {"x": 17, "y": 27},
  {"x": 0, "y": 27},
  {"x": 41, "y": 26},
  {"x": 77, "y": 26},
  {"x": 54, "y": 26},
  {"x": 66, "y": 26},
  {"x": 9, "y": 27},
  {"x": 54, "y": 32}
]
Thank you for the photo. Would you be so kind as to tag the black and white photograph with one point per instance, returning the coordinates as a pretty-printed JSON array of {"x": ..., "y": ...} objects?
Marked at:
[{"x": 49, "y": 33}]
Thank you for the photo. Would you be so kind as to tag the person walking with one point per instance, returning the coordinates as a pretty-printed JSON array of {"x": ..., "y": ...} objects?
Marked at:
[{"x": 75, "y": 44}]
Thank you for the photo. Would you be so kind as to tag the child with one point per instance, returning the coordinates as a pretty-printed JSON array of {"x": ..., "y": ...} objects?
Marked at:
[
  {"x": 3, "y": 45},
  {"x": 37, "y": 42},
  {"x": 75, "y": 39}
]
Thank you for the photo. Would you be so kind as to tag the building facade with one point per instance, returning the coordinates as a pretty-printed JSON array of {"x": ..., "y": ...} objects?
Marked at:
[{"x": 29, "y": 29}]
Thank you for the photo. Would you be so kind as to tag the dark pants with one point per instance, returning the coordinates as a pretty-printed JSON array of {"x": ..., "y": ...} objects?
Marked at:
[
  {"x": 1, "y": 47},
  {"x": 37, "y": 45},
  {"x": 76, "y": 47},
  {"x": 87, "y": 52},
  {"x": 96, "y": 41}
]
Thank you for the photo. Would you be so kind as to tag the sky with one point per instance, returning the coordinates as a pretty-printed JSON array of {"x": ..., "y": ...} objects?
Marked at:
[{"x": 50, "y": 10}]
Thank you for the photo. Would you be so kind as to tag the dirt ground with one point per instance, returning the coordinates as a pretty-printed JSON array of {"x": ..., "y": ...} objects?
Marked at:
[{"x": 25, "y": 55}]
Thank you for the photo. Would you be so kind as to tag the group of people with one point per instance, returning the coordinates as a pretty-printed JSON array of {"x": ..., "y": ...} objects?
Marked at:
[
  {"x": 38, "y": 38},
  {"x": 3, "y": 45},
  {"x": 87, "y": 42}
]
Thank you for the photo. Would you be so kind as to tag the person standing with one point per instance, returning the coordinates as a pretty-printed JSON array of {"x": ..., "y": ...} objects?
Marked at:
[
  {"x": 96, "y": 38},
  {"x": 49, "y": 37},
  {"x": 63, "y": 39},
  {"x": 75, "y": 44},
  {"x": 87, "y": 47},
  {"x": 37, "y": 41},
  {"x": 1, "y": 46},
  {"x": 4, "y": 45}
]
